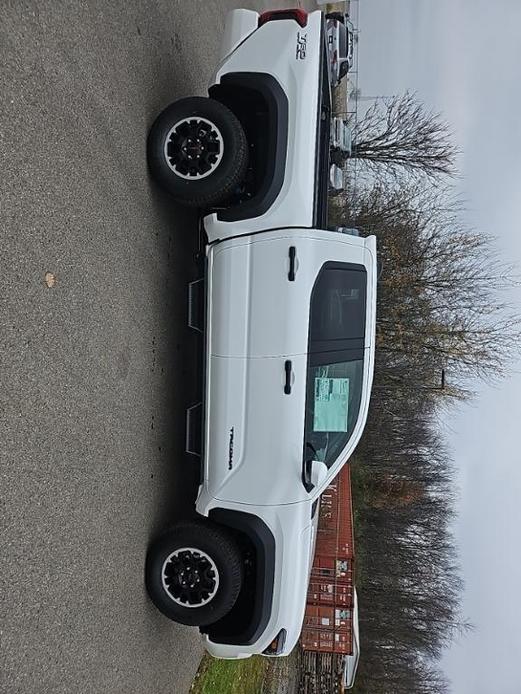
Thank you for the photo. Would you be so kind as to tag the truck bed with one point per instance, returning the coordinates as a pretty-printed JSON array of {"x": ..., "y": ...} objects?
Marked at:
[{"x": 320, "y": 206}]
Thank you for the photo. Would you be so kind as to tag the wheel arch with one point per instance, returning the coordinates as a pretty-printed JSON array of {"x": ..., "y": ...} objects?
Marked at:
[
  {"x": 238, "y": 91},
  {"x": 259, "y": 589}
]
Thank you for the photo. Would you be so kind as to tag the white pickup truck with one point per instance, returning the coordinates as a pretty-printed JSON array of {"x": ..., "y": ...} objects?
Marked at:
[{"x": 289, "y": 333}]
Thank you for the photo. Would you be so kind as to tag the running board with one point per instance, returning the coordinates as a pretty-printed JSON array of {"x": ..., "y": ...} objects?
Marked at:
[
  {"x": 196, "y": 305},
  {"x": 194, "y": 430}
]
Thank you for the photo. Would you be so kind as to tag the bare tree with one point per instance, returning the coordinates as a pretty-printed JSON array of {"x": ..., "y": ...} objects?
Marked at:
[
  {"x": 399, "y": 133},
  {"x": 443, "y": 301},
  {"x": 442, "y": 307}
]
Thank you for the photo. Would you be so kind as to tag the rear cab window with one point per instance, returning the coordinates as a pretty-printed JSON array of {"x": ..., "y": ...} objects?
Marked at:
[
  {"x": 342, "y": 40},
  {"x": 335, "y": 359}
]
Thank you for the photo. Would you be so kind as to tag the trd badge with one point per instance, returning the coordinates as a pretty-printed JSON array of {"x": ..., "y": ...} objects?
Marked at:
[{"x": 302, "y": 42}]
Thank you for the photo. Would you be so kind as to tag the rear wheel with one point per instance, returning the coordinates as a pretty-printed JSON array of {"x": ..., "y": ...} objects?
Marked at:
[
  {"x": 194, "y": 573},
  {"x": 197, "y": 151}
]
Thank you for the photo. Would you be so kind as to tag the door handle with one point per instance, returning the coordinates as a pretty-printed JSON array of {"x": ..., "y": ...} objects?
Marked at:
[
  {"x": 288, "y": 370},
  {"x": 292, "y": 255}
]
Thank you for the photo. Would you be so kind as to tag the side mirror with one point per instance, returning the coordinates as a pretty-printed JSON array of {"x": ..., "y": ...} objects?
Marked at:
[
  {"x": 318, "y": 472},
  {"x": 315, "y": 472}
]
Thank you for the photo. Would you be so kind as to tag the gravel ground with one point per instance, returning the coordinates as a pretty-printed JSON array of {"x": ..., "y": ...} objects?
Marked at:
[{"x": 96, "y": 364}]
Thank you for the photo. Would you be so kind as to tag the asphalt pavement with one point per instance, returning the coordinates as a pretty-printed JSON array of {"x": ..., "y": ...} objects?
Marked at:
[{"x": 96, "y": 362}]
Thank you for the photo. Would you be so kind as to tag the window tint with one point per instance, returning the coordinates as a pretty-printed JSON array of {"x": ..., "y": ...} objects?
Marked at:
[
  {"x": 332, "y": 405},
  {"x": 342, "y": 40},
  {"x": 335, "y": 360},
  {"x": 338, "y": 304}
]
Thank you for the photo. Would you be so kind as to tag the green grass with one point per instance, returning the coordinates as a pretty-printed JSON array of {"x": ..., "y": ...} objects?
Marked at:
[{"x": 230, "y": 676}]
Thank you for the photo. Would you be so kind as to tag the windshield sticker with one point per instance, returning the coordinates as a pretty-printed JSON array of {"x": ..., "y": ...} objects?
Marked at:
[{"x": 331, "y": 404}]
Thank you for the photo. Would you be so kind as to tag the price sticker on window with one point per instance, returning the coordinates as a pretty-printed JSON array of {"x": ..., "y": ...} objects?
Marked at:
[{"x": 331, "y": 404}]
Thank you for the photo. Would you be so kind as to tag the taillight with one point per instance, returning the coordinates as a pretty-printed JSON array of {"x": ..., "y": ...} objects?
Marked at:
[
  {"x": 335, "y": 56},
  {"x": 300, "y": 16}
]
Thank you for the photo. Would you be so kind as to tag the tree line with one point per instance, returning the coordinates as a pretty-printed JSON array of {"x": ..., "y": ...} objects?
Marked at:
[{"x": 443, "y": 323}]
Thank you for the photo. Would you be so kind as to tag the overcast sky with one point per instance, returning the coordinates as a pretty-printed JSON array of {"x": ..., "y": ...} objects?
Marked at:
[{"x": 463, "y": 58}]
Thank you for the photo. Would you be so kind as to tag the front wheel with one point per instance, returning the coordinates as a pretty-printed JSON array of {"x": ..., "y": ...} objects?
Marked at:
[
  {"x": 197, "y": 151},
  {"x": 194, "y": 573}
]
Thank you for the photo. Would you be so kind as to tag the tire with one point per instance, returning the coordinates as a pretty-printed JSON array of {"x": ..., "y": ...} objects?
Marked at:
[
  {"x": 208, "y": 541},
  {"x": 224, "y": 149}
]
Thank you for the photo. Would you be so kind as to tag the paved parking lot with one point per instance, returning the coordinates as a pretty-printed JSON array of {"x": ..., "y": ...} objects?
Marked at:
[{"x": 96, "y": 364}]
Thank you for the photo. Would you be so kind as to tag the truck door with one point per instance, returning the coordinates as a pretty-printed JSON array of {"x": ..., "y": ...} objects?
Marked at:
[{"x": 259, "y": 300}]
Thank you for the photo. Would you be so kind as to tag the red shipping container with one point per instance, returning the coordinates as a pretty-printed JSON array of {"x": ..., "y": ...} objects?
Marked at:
[{"x": 328, "y": 622}]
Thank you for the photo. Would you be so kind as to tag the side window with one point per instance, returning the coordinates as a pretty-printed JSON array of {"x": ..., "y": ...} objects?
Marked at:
[
  {"x": 332, "y": 405},
  {"x": 335, "y": 360},
  {"x": 338, "y": 304}
]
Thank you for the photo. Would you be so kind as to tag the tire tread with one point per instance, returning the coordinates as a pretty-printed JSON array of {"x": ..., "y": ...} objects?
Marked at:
[
  {"x": 217, "y": 187},
  {"x": 210, "y": 536}
]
